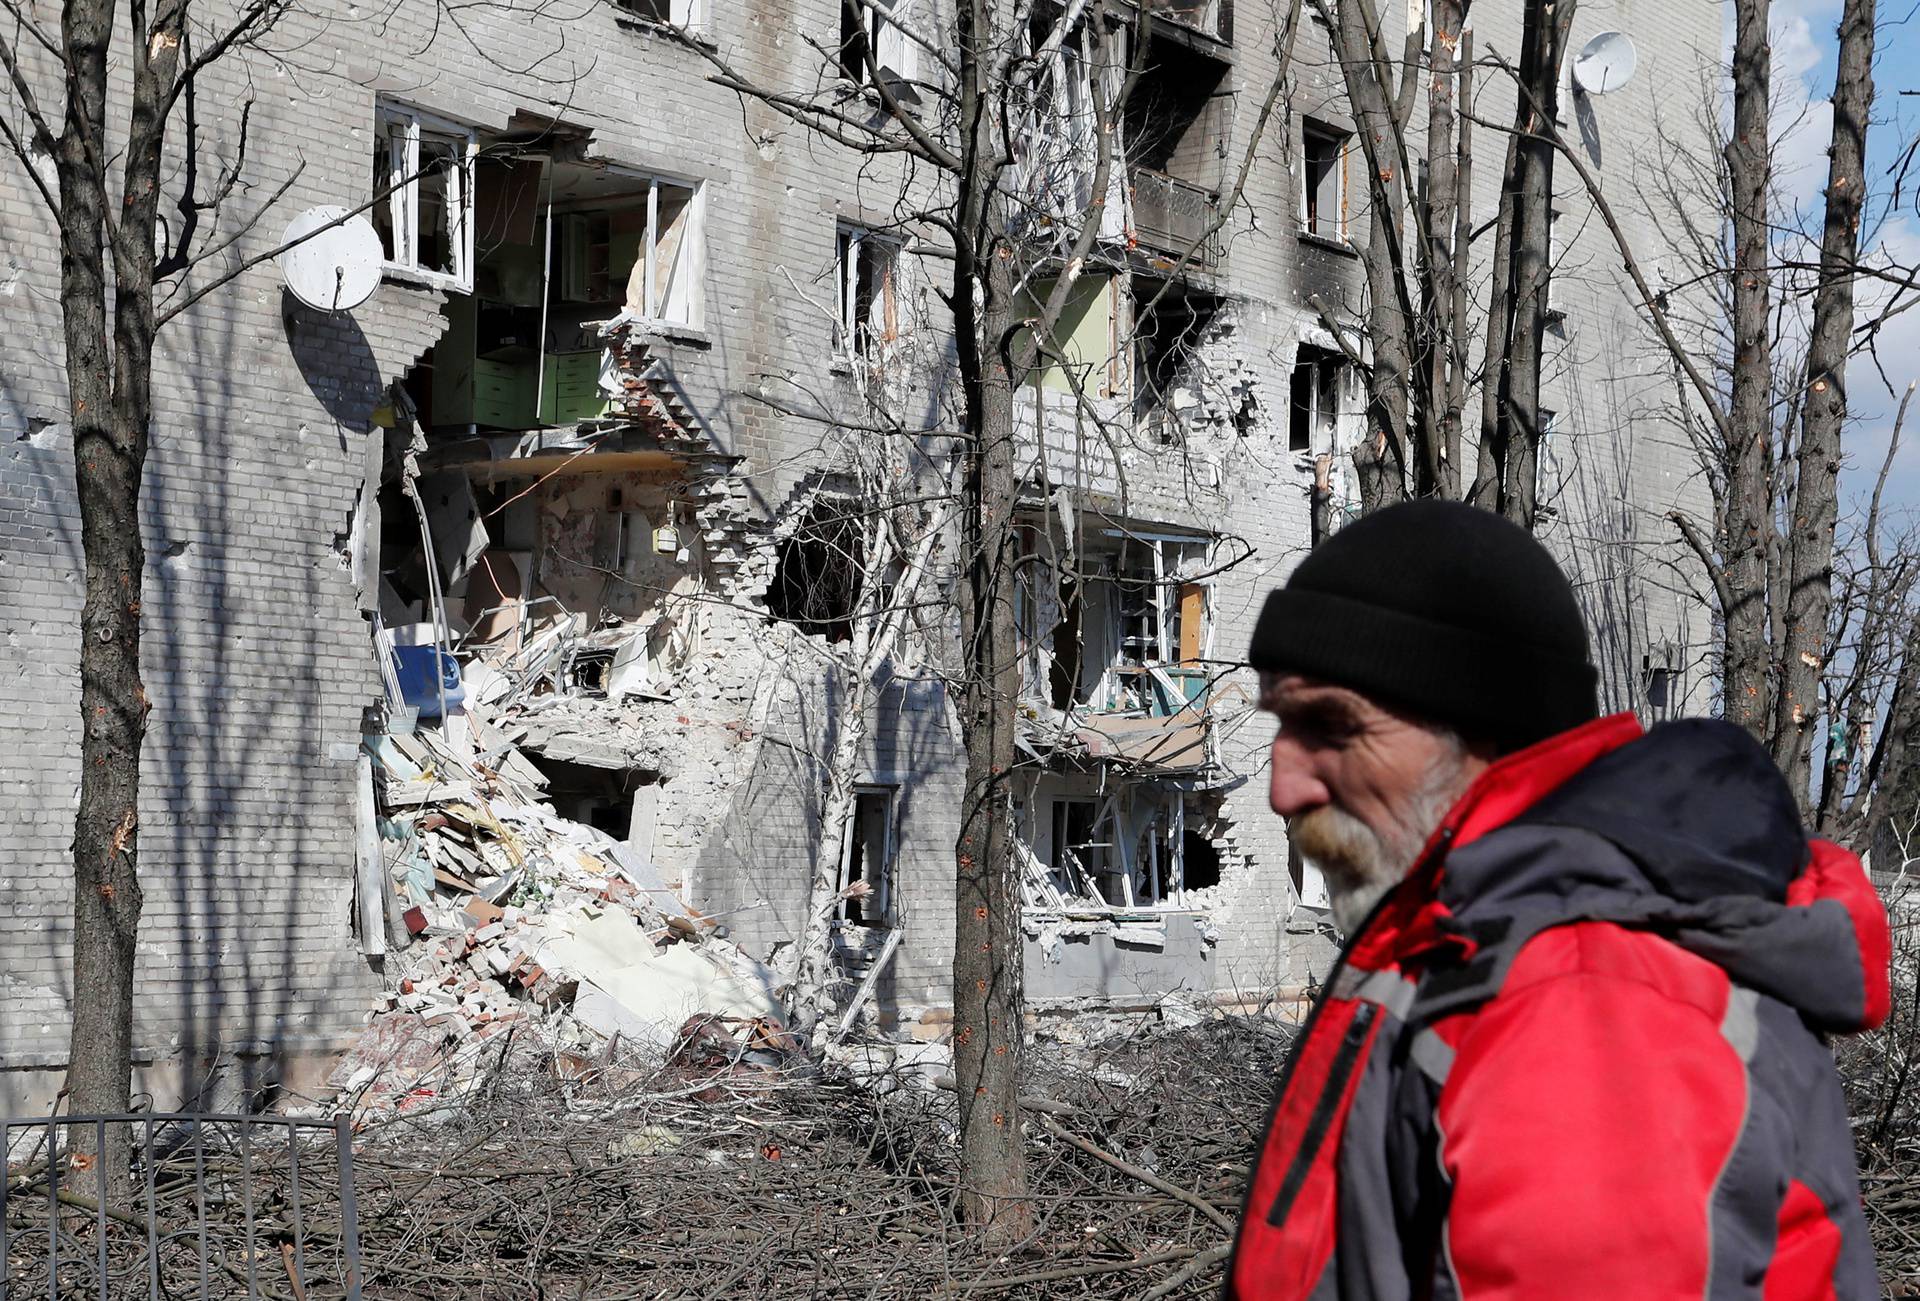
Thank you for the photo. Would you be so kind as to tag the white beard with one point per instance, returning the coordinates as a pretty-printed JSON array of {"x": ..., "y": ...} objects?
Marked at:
[{"x": 1359, "y": 864}]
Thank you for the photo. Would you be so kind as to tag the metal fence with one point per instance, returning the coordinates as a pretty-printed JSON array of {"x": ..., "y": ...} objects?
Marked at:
[{"x": 216, "y": 1206}]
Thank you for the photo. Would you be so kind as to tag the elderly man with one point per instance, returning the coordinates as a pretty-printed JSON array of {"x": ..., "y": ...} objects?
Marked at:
[{"x": 1573, "y": 1046}]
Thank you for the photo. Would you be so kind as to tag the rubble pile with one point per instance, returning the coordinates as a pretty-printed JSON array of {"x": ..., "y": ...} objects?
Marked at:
[{"x": 524, "y": 923}]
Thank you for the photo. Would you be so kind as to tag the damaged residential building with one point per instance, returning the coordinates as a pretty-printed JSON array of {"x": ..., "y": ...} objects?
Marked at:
[{"x": 576, "y": 511}]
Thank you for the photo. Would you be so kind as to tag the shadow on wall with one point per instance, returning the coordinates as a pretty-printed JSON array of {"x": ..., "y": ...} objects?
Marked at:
[
  {"x": 335, "y": 360},
  {"x": 764, "y": 847},
  {"x": 247, "y": 799}
]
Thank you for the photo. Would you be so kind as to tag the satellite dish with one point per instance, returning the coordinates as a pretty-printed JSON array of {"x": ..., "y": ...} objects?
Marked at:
[
  {"x": 338, "y": 268},
  {"x": 1605, "y": 63}
]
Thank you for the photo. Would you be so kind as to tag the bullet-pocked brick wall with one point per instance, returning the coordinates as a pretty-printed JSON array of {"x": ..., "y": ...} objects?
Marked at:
[{"x": 259, "y": 661}]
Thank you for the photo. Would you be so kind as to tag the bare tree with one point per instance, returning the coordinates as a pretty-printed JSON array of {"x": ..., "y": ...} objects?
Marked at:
[
  {"x": 1010, "y": 156},
  {"x": 1803, "y": 652},
  {"x": 1416, "y": 361},
  {"x": 1766, "y": 418},
  {"x": 111, "y": 269},
  {"x": 1517, "y": 313},
  {"x": 139, "y": 249}
]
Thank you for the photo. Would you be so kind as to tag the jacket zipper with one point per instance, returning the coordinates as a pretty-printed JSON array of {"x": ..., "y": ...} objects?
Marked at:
[
  {"x": 1324, "y": 1108},
  {"x": 1439, "y": 849}
]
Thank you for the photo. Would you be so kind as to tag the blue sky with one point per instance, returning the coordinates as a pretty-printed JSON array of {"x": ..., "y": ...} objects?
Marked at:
[{"x": 1804, "y": 49}]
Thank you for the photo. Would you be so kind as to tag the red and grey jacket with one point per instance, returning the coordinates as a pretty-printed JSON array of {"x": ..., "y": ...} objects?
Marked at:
[{"x": 1579, "y": 1051}]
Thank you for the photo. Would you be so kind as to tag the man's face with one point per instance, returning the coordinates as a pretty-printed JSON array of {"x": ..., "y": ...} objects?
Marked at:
[{"x": 1361, "y": 786}]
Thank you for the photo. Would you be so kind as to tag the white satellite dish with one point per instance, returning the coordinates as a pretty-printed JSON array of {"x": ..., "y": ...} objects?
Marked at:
[
  {"x": 1605, "y": 63},
  {"x": 338, "y": 268}
]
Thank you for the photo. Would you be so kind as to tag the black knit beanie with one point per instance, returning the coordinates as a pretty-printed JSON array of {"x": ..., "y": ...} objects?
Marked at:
[{"x": 1446, "y": 611}]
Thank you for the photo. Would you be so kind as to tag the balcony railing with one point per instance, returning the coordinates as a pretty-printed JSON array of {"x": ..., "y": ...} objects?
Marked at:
[
  {"x": 1210, "y": 17},
  {"x": 1172, "y": 216}
]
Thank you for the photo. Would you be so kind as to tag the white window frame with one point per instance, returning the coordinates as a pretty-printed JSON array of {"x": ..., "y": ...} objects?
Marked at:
[
  {"x": 880, "y": 904},
  {"x": 890, "y": 46},
  {"x": 1165, "y": 583},
  {"x": 404, "y": 127},
  {"x": 690, "y": 286},
  {"x": 850, "y": 243},
  {"x": 1343, "y": 141}
]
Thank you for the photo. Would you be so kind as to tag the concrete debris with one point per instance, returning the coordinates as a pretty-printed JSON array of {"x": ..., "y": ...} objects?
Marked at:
[{"x": 527, "y": 925}]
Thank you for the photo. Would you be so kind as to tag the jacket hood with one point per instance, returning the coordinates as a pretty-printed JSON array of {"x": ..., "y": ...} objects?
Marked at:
[{"x": 1689, "y": 831}]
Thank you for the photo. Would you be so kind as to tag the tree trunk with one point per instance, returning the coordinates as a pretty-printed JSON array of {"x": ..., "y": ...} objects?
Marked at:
[
  {"x": 1453, "y": 414},
  {"x": 1440, "y": 427},
  {"x": 812, "y": 984},
  {"x": 106, "y": 889},
  {"x": 1492, "y": 456},
  {"x": 879, "y": 621},
  {"x": 987, "y": 944},
  {"x": 987, "y": 950},
  {"x": 1748, "y": 517},
  {"x": 1824, "y": 408},
  {"x": 111, "y": 407},
  {"x": 1542, "y": 46},
  {"x": 1381, "y": 458},
  {"x": 1386, "y": 480}
]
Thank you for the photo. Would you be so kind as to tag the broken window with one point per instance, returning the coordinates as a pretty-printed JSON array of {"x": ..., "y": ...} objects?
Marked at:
[
  {"x": 818, "y": 572},
  {"x": 601, "y": 798},
  {"x": 667, "y": 13},
  {"x": 866, "y": 858},
  {"x": 1200, "y": 861},
  {"x": 1323, "y": 201},
  {"x": 424, "y": 166},
  {"x": 1158, "y": 632},
  {"x": 642, "y": 246},
  {"x": 869, "y": 316},
  {"x": 874, "y": 44},
  {"x": 1056, "y": 140},
  {"x": 1078, "y": 860},
  {"x": 1169, "y": 323},
  {"x": 1174, "y": 123},
  {"x": 1314, "y": 419},
  {"x": 1136, "y": 847},
  {"x": 1064, "y": 677}
]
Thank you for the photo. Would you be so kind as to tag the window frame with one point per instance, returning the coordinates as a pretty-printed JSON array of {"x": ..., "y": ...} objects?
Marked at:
[
  {"x": 883, "y": 33},
  {"x": 850, "y": 240},
  {"x": 876, "y": 912},
  {"x": 1553, "y": 308},
  {"x": 1546, "y": 465},
  {"x": 1329, "y": 373},
  {"x": 693, "y": 246},
  {"x": 1312, "y": 222},
  {"x": 403, "y": 199}
]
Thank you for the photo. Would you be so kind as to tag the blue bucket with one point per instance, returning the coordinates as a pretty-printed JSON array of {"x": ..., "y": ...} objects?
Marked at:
[{"x": 414, "y": 666}]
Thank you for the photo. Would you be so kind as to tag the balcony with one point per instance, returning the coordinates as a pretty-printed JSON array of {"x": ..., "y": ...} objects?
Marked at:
[
  {"x": 1171, "y": 216},
  {"x": 1208, "y": 17}
]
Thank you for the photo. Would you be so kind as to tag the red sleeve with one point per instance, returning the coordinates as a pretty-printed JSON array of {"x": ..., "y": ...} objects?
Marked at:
[{"x": 1584, "y": 1124}]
